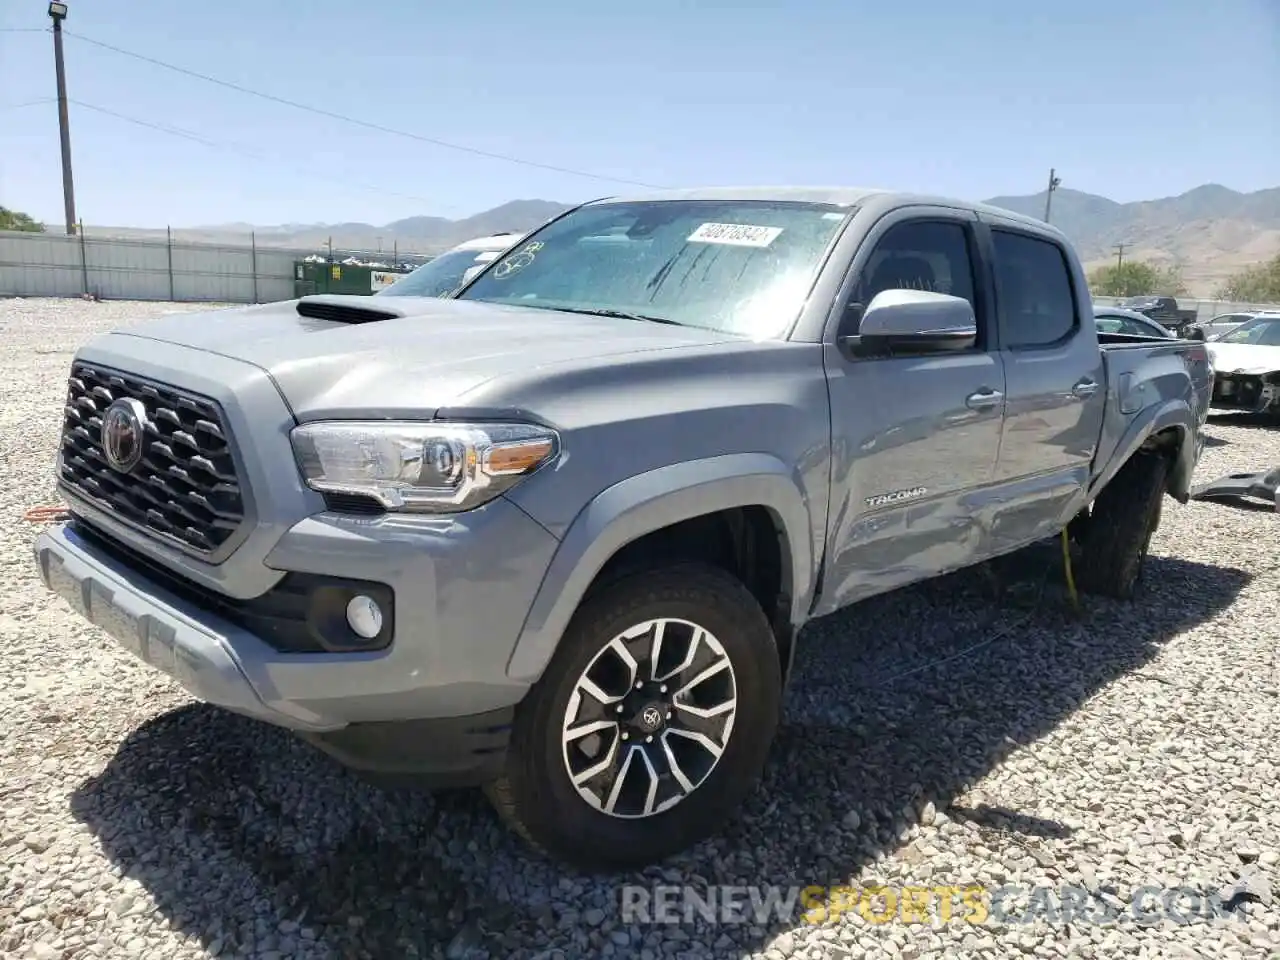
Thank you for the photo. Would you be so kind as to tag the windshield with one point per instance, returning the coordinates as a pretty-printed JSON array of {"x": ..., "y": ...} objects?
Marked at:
[
  {"x": 1262, "y": 332},
  {"x": 742, "y": 267},
  {"x": 438, "y": 277},
  {"x": 1136, "y": 302}
]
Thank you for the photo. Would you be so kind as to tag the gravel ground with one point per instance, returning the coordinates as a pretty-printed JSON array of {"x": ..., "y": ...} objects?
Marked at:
[{"x": 1135, "y": 747}]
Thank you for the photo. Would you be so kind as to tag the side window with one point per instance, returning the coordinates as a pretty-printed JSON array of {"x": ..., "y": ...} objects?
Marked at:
[
  {"x": 932, "y": 255},
  {"x": 919, "y": 255},
  {"x": 1034, "y": 289}
]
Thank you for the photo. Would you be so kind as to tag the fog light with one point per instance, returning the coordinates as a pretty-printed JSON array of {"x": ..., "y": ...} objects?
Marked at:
[{"x": 364, "y": 616}]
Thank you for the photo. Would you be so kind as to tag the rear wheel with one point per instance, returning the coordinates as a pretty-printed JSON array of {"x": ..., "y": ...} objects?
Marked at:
[
  {"x": 651, "y": 724},
  {"x": 1115, "y": 540}
]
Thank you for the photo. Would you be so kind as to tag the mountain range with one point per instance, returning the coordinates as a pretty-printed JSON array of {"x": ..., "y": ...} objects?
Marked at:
[{"x": 1209, "y": 232}]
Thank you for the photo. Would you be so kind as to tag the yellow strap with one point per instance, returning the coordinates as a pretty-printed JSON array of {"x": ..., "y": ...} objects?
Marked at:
[{"x": 1066, "y": 564}]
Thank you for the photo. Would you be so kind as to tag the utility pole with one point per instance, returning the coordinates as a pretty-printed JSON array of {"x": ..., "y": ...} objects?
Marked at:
[
  {"x": 1119, "y": 249},
  {"x": 58, "y": 13},
  {"x": 1054, "y": 183}
]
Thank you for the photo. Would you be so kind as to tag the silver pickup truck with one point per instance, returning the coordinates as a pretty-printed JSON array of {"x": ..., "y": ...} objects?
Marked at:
[{"x": 556, "y": 536}]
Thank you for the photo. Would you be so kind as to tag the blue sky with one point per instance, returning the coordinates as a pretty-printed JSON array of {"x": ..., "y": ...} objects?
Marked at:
[{"x": 1131, "y": 99}]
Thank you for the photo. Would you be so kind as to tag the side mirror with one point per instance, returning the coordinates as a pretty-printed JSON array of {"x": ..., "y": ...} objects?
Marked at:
[
  {"x": 913, "y": 322},
  {"x": 1195, "y": 333}
]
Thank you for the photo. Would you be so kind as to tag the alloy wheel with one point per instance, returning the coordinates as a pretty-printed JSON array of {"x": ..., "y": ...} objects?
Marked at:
[{"x": 649, "y": 718}]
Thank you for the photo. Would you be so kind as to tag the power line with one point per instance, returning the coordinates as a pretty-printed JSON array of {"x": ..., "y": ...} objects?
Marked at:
[
  {"x": 24, "y": 30},
  {"x": 217, "y": 145},
  {"x": 319, "y": 111},
  {"x": 27, "y": 103}
]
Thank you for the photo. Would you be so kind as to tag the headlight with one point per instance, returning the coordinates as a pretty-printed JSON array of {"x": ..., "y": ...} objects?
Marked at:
[{"x": 421, "y": 467}]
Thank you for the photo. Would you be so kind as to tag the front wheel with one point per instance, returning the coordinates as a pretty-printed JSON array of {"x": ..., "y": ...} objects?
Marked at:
[{"x": 651, "y": 724}]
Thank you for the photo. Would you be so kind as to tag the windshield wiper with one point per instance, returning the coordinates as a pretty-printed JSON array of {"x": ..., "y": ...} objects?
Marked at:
[{"x": 620, "y": 315}]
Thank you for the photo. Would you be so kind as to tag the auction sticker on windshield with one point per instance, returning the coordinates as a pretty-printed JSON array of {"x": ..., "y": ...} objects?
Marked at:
[{"x": 735, "y": 234}]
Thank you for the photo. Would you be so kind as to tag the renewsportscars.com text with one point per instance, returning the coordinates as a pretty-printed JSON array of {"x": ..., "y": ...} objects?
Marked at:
[{"x": 974, "y": 904}]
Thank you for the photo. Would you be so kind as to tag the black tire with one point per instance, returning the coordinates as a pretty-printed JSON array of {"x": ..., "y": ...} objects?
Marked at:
[
  {"x": 536, "y": 796},
  {"x": 1115, "y": 541}
]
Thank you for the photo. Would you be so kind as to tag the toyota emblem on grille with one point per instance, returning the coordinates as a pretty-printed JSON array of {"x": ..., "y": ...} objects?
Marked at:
[{"x": 122, "y": 434}]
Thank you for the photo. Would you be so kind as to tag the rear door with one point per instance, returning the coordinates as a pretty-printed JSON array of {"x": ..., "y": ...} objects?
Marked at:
[
  {"x": 914, "y": 437},
  {"x": 1054, "y": 384}
]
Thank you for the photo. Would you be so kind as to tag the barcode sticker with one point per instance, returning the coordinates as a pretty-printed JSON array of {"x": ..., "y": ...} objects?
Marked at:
[{"x": 735, "y": 234}]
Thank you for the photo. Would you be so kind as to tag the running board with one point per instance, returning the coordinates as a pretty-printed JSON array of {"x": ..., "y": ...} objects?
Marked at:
[{"x": 1235, "y": 486}]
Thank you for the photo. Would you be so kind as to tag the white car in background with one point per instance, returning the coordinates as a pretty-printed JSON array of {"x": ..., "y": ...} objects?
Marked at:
[
  {"x": 442, "y": 275},
  {"x": 1247, "y": 360},
  {"x": 1224, "y": 323}
]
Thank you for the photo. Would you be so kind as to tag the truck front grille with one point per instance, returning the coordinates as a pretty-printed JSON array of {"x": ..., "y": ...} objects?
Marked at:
[{"x": 185, "y": 487}]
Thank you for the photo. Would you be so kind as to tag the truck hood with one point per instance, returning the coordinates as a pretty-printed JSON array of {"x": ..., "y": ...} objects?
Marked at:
[
  {"x": 429, "y": 355},
  {"x": 1243, "y": 357}
]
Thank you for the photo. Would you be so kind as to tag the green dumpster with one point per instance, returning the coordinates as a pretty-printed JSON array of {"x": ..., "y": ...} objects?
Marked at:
[{"x": 312, "y": 276}]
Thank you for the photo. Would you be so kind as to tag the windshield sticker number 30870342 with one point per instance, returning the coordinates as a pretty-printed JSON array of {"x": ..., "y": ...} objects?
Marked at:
[{"x": 735, "y": 234}]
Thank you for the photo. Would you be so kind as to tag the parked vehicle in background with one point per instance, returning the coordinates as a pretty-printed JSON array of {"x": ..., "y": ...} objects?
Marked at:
[
  {"x": 443, "y": 275},
  {"x": 1223, "y": 323},
  {"x": 1163, "y": 310},
  {"x": 556, "y": 535},
  {"x": 1129, "y": 322},
  {"x": 1247, "y": 361}
]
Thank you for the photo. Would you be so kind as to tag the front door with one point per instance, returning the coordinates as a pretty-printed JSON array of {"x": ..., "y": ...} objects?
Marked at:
[{"x": 914, "y": 436}]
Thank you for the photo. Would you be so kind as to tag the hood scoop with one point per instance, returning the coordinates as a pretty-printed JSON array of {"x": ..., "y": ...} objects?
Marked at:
[{"x": 337, "y": 308}]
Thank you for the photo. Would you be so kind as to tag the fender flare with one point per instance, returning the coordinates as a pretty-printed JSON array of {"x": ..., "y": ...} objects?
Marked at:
[
  {"x": 1150, "y": 421},
  {"x": 647, "y": 502}
]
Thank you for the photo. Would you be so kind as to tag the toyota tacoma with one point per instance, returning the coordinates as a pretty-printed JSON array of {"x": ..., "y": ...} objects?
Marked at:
[{"x": 555, "y": 536}]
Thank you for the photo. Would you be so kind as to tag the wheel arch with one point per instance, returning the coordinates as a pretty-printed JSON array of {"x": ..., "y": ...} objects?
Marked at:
[
  {"x": 1167, "y": 429},
  {"x": 739, "y": 493}
]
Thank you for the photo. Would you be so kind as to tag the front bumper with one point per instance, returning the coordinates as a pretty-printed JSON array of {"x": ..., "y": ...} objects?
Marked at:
[
  {"x": 1245, "y": 392},
  {"x": 203, "y": 654},
  {"x": 433, "y": 704}
]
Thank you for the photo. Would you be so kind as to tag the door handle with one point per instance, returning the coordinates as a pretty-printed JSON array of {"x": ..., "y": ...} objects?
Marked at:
[
  {"x": 983, "y": 399},
  {"x": 1084, "y": 388}
]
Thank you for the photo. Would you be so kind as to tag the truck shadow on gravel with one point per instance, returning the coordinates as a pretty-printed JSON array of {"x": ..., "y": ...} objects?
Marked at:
[{"x": 249, "y": 840}]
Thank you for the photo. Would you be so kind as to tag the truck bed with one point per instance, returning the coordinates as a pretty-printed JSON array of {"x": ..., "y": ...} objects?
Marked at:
[{"x": 1143, "y": 375}]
